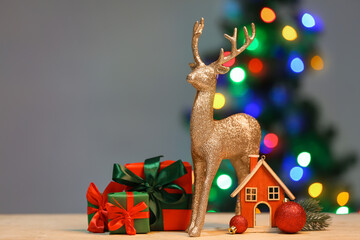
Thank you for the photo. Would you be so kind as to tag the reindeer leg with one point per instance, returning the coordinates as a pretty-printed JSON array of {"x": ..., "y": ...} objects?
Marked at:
[
  {"x": 211, "y": 169},
  {"x": 199, "y": 173},
  {"x": 241, "y": 165}
]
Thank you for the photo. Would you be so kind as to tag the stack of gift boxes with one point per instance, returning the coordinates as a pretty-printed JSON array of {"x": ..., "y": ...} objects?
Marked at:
[{"x": 142, "y": 197}]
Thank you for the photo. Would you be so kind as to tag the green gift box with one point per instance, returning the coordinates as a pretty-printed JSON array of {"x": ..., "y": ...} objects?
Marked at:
[{"x": 128, "y": 213}]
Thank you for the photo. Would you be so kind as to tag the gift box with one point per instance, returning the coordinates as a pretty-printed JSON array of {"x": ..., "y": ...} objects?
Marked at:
[
  {"x": 169, "y": 185},
  {"x": 128, "y": 212},
  {"x": 96, "y": 206}
]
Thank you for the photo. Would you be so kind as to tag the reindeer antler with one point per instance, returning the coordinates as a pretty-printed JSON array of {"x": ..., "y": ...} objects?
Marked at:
[
  {"x": 234, "y": 51},
  {"x": 198, "y": 27}
]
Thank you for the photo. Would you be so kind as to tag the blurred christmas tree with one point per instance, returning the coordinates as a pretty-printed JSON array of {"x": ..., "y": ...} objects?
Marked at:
[{"x": 264, "y": 82}]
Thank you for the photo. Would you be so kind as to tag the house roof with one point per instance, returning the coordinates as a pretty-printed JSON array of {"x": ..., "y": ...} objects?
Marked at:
[{"x": 260, "y": 163}]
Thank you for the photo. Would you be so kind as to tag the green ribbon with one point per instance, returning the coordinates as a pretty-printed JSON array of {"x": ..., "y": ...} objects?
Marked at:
[{"x": 154, "y": 184}]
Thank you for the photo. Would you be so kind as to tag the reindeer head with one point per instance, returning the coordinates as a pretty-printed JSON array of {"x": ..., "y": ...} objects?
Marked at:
[{"x": 203, "y": 77}]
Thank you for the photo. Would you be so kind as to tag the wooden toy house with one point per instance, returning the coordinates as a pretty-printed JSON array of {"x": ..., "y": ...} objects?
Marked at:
[{"x": 262, "y": 185}]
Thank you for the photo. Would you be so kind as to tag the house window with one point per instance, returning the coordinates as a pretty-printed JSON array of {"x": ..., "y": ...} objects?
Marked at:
[
  {"x": 273, "y": 193},
  {"x": 250, "y": 194}
]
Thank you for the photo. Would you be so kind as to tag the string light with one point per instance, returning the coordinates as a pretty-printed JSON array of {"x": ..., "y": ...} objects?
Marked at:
[
  {"x": 317, "y": 63},
  {"x": 304, "y": 159},
  {"x": 255, "y": 65},
  {"x": 342, "y": 210},
  {"x": 297, "y": 65},
  {"x": 296, "y": 173},
  {"x": 267, "y": 15},
  {"x": 230, "y": 62},
  {"x": 307, "y": 20},
  {"x": 237, "y": 74},
  {"x": 342, "y": 198},
  {"x": 315, "y": 189},
  {"x": 219, "y": 101},
  {"x": 271, "y": 140},
  {"x": 289, "y": 33},
  {"x": 224, "y": 181}
]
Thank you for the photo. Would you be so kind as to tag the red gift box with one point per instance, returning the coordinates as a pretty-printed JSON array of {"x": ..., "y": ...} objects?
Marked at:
[{"x": 173, "y": 219}]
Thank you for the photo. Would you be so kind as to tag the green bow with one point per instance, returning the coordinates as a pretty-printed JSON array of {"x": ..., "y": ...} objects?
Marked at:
[{"x": 154, "y": 184}]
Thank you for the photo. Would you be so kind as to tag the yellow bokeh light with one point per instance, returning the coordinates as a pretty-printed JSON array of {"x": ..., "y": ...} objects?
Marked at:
[
  {"x": 342, "y": 198},
  {"x": 289, "y": 33},
  {"x": 315, "y": 189},
  {"x": 317, "y": 63},
  {"x": 219, "y": 101}
]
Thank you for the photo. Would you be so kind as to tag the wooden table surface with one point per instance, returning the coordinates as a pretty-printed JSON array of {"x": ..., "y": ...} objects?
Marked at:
[{"x": 73, "y": 226}]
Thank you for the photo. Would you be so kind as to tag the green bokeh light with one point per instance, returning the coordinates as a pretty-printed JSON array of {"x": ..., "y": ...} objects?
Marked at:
[
  {"x": 224, "y": 181},
  {"x": 237, "y": 74},
  {"x": 254, "y": 45},
  {"x": 304, "y": 159},
  {"x": 342, "y": 210}
]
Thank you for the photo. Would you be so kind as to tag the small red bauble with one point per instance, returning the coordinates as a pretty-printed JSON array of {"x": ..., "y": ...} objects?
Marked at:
[
  {"x": 238, "y": 224},
  {"x": 290, "y": 217}
]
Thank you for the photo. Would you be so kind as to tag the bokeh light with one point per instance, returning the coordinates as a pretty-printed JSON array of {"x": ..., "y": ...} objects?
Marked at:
[
  {"x": 317, "y": 63},
  {"x": 255, "y": 65},
  {"x": 296, "y": 173},
  {"x": 279, "y": 95},
  {"x": 211, "y": 210},
  {"x": 271, "y": 140},
  {"x": 289, "y": 33},
  {"x": 304, "y": 159},
  {"x": 230, "y": 62},
  {"x": 267, "y": 15},
  {"x": 237, "y": 74},
  {"x": 315, "y": 189},
  {"x": 254, "y": 45},
  {"x": 342, "y": 210},
  {"x": 253, "y": 109},
  {"x": 219, "y": 101},
  {"x": 307, "y": 20},
  {"x": 224, "y": 181},
  {"x": 342, "y": 198},
  {"x": 297, "y": 65}
]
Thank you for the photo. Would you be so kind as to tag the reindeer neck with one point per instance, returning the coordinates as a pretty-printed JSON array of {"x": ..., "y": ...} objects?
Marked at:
[{"x": 202, "y": 119}]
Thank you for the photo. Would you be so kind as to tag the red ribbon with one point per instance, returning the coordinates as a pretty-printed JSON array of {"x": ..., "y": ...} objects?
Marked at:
[
  {"x": 120, "y": 217},
  {"x": 99, "y": 221}
]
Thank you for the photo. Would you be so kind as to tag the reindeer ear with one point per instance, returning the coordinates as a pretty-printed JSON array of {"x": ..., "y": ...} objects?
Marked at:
[
  {"x": 192, "y": 66},
  {"x": 220, "y": 69}
]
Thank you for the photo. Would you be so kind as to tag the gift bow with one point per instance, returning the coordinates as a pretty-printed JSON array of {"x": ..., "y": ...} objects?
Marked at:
[
  {"x": 120, "y": 217},
  {"x": 99, "y": 221},
  {"x": 154, "y": 184}
]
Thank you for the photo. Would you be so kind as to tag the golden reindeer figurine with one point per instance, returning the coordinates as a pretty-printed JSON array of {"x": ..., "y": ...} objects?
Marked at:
[{"x": 235, "y": 137}]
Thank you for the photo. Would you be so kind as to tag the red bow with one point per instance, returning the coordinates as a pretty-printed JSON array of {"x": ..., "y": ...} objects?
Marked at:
[
  {"x": 120, "y": 217},
  {"x": 99, "y": 221}
]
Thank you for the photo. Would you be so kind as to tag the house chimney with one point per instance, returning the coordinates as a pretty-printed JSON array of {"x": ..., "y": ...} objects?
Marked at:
[{"x": 253, "y": 161}]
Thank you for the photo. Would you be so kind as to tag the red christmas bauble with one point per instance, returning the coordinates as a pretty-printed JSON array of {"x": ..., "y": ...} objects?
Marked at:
[
  {"x": 290, "y": 217},
  {"x": 240, "y": 223}
]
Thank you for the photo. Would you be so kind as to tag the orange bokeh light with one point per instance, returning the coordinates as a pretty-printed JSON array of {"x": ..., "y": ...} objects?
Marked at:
[
  {"x": 267, "y": 15},
  {"x": 255, "y": 65}
]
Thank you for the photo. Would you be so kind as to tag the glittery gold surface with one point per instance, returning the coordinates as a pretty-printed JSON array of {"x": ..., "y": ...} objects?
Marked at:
[{"x": 234, "y": 137}]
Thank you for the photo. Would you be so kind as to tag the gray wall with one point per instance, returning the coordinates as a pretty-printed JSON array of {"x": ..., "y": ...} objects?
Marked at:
[{"x": 84, "y": 84}]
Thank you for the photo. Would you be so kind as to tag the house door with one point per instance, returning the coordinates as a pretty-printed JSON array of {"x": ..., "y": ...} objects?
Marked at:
[{"x": 262, "y": 215}]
